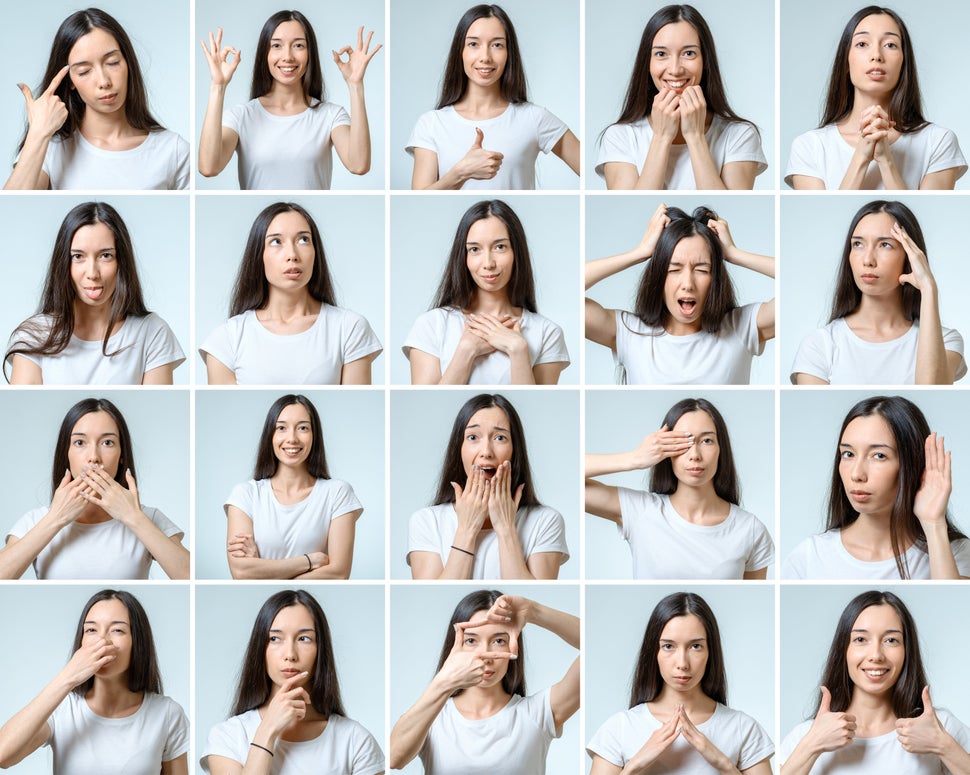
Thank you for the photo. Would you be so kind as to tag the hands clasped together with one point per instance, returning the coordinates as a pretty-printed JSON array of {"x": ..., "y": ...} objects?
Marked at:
[
  {"x": 680, "y": 725},
  {"x": 875, "y": 133},
  {"x": 679, "y": 112}
]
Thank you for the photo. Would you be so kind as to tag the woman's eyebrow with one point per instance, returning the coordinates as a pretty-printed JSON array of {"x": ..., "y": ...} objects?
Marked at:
[
  {"x": 103, "y": 56},
  {"x": 475, "y": 37},
  {"x": 885, "y": 34}
]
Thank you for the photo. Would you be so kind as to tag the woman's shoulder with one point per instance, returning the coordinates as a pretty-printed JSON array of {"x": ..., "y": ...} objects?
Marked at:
[
  {"x": 162, "y": 703},
  {"x": 746, "y": 518},
  {"x": 166, "y": 140}
]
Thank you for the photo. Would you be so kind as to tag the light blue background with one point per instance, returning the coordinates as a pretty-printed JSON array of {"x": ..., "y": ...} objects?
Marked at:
[
  {"x": 616, "y": 617},
  {"x": 616, "y": 223},
  {"x": 352, "y": 230},
  {"x": 618, "y": 422},
  {"x": 161, "y": 42},
  {"x": 158, "y": 421},
  {"x": 335, "y": 26},
  {"x": 224, "y": 618},
  {"x": 744, "y": 35},
  {"x": 548, "y": 35},
  {"x": 40, "y": 622},
  {"x": 422, "y": 231},
  {"x": 421, "y": 422},
  {"x": 813, "y": 236},
  {"x": 227, "y": 428},
  {"x": 810, "y": 34},
  {"x": 159, "y": 230},
  {"x": 419, "y": 620}
]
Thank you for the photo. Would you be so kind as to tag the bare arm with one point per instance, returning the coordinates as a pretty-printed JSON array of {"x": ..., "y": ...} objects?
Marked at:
[
  {"x": 177, "y": 766},
  {"x": 807, "y": 183},
  {"x": 944, "y": 180},
  {"x": 353, "y": 143},
  {"x": 358, "y": 372},
  {"x": 340, "y": 548},
  {"x": 217, "y": 142},
  {"x": 478, "y": 164},
  {"x": 245, "y": 564},
  {"x": 548, "y": 373},
  {"x": 761, "y": 264},
  {"x": 217, "y": 373},
  {"x": 160, "y": 375},
  {"x": 567, "y": 149},
  {"x": 45, "y": 116}
]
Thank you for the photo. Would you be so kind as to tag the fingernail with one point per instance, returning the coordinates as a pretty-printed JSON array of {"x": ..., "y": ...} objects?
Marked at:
[
  {"x": 513, "y": 656},
  {"x": 455, "y": 626}
]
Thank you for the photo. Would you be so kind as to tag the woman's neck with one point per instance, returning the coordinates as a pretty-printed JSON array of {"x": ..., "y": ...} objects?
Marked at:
[
  {"x": 107, "y": 129},
  {"x": 91, "y": 323},
  {"x": 860, "y": 103},
  {"x": 482, "y": 101},
  {"x": 879, "y": 316},
  {"x": 869, "y": 539},
  {"x": 477, "y": 702},
  {"x": 111, "y": 697},
  {"x": 493, "y": 302},
  {"x": 675, "y": 328},
  {"x": 285, "y": 97},
  {"x": 874, "y": 713},
  {"x": 700, "y": 505},
  {"x": 696, "y": 704},
  {"x": 291, "y": 479},
  {"x": 289, "y": 305}
]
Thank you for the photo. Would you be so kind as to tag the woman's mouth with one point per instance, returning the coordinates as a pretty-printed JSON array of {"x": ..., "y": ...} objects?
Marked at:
[
  {"x": 95, "y": 292},
  {"x": 677, "y": 85},
  {"x": 876, "y": 74},
  {"x": 687, "y": 306},
  {"x": 869, "y": 278},
  {"x": 860, "y": 495}
]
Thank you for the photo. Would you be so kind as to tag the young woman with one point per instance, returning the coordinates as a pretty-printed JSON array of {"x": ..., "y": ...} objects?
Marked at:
[
  {"x": 874, "y": 713},
  {"x": 93, "y": 326},
  {"x": 484, "y": 132},
  {"x": 95, "y": 526},
  {"x": 284, "y": 325},
  {"x": 483, "y": 327},
  {"x": 486, "y": 521},
  {"x": 284, "y": 134},
  {"x": 105, "y": 711},
  {"x": 887, "y": 512},
  {"x": 90, "y": 126},
  {"x": 679, "y": 722},
  {"x": 676, "y": 129},
  {"x": 689, "y": 525},
  {"x": 475, "y": 716},
  {"x": 885, "y": 323},
  {"x": 873, "y": 134},
  {"x": 288, "y": 717},
  {"x": 291, "y": 520},
  {"x": 686, "y": 327}
]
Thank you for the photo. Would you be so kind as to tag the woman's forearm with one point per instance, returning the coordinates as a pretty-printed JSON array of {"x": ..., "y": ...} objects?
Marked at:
[
  {"x": 22, "y": 735},
  {"x": 411, "y": 730},
  {"x": 931, "y": 363},
  {"x": 459, "y": 368},
  {"x": 566, "y": 626},
  {"x": 855, "y": 175},
  {"x": 358, "y": 152},
  {"x": 259, "y": 568},
  {"x": 213, "y": 157},
  {"x": 169, "y": 554},
  {"x": 512, "y": 563},
  {"x": 891, "y": 179},
  {"x": 706, "y": 173},
  {"x": 655, "y": 165},
  {"x": 954, "y": 758},
  {"x": 610, "y": 463},
  {"x": 600, "y": 268},
  {"x": 28, "y": 174},
  {"x": 940, "y": 550},
  {"x": 520, "y": 370},
  {"x": 756, "y": 263},
  {"x": 18, "y": 555}
]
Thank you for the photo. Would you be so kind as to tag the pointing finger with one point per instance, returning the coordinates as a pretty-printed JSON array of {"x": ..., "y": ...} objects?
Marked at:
[{"x": 56, "y": 81}]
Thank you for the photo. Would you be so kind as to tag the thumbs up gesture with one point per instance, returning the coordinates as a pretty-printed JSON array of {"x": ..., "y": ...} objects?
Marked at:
[
  {"x": 925, "y": 733},
  {"x": 831, "y": 731},
  {"x": 479, "y": 163}
]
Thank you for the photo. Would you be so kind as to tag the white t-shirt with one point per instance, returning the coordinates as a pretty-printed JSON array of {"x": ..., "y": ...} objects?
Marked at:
[
  {"x": 313, "y": 357},
  {"x": 824, "y": 556},
  {"x": 514, "y": 741},
  {"x": 140, "y": 345},
  {"x": 837, "y": 355},
  {"x": 84, "y": 743},
  {"x": 882, "y": 755},
  {"x": 738, "y": 736},
  {"x": 651, "y": 356},
  {"x": 343, "y": 748},
  {"x": 729, "y": 141},
  {"x": 285, "y": 152},
  {"x": 283, "y": 531},
  {"x": 437, "y": 332},
  {"x": 664, "y": 545},
  {"x": 161, "y": 162},
  {"x": 100, "y": 550},
  {"x": 823, "y": 154},
  {"x": 519, "y": 134},
  {"x": 540, "y": 529}
]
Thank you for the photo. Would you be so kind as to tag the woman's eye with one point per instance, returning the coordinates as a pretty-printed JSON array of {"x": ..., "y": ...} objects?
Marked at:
[
  {"x": 892, "y": 44},
  {"x": 880, "y": 456},
  {"x": 274, "y": 638},
  {"x": 76, "y": 257},
  {"x": 78, "y": 443},
  {"x": 856, "y": 244},
  {"x": 108, "y": 443},
  {"x": 306, "y": 638},
  {"x": 472, "y": 250},
  {"x": 471, "y": 437},
  {"x": 501, "y": 437},
  {"x": 659, "y": 54},
  {"x": 304, "y": 240},
  {"x": 690, "y": 54},
  {"x": 846, "y": 454},
  {"x": 886, "y": 245}
]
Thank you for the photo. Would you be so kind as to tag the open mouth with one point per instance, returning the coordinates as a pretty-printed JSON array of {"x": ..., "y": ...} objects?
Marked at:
[
  {"x": 688, "y": 306},
  {"x": 675, "y": 85},
  {"x": 485, "y": 72},
  {"x": 292, "y": 451},
  {"x": 488, "y": 471},
  {"x": 876, "y": 673},
  {"x": 876, "y": 74},
  {"x": 94, "y": 293}
]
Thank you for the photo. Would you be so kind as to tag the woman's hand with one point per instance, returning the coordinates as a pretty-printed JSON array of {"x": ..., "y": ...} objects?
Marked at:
[
  {"x": 700, "y": 743},
  {"x": 693, "y": 112},
  {"x": 503, "y": 334},
  {"x": 479, "y": 163},
  {"x": 925, "y": 733},
  {"x": 88, "y": 660},
  {"x": 874, "y": 128},
  {"x": 932, "y": 498},
  {"x": 242, "y": 545},
  {"x": 720, "y": 228},
  {"x": 288, "y": 706},
  {"x": 502, "y": 506},
  {"x": 658, "y": 222},
  {"x": 660, "y": 445},
  {"x": 68, "y": 502},
  {"x": 471, "y": 503},
  {"x": 657, "y": 743},
  {"x": 665, "y": 114},
  {"x": 357, "y": 58},
  {"x": 120, "y": 503},
  {"x": 223, "y": 60},
  {"x": 512, "y": 611},
  {"x": 919, "y": 275},
  {"x": 831, "y": 731},
  {"x": 464, "y": 669},
  {"x": 47, "y": 113}
]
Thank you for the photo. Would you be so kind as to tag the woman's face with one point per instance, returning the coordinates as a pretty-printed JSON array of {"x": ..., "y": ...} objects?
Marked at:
[
  {"x": 876, "y": 653},
  {"x": 288, "y": 53},
  {"x": 487, "y": 442},
  {"x": 95, "y": 441},
  {"x": 485, "y": 52},
  {"x": 288, "y": 252},
  {"x": 98, "y": 71},
  {"x": 292, "y": 646},
  {"x": 94, "y": 265},
  {"x": 676, "y": 61},
  {"x": 876, "y": 55},
  {"x": 698, "y": 465},
  {"x": 682, "y": 653},
  {"x": 869, "y": 465},
  {"x": 293, "y": 436},
  {"x": 687, "y": 285},
  {"x": 488, "y": 638},
  {"x": 488, "y": 254},
  {"x": 876, "y": 258},
  {"x": 108, "y": 619}
]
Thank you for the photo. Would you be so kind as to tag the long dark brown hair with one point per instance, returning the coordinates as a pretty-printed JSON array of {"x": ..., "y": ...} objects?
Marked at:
[
  {"x": 313, "y": 87},
  {"x": 266, "y": 462},
  {"x": 910, "y": 430},
  {"x": 457, "y": 288},
  {"x": 251, "y": 290},
  {"x": 254, "y": 682},
  {"x": 906, "y": 103},
  {"x": 52, "y": 333},
  {"x": 847, "y": 294},
  {"x": 454, "y": 81},
  {"x": 907, "y": 692},
  {"x": 452, "y": 469},
  {"x": 513, "y": 682},
  {"x": 74, "y": 27},
  {"x": 75, "y": 413},
  {"x": 648, "y": 683}
]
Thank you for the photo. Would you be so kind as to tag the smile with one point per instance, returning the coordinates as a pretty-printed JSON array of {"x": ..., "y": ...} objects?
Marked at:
[
  {"x": 876, "y": 673},
  {"x": 288, "y": 69},
  {"x": 677, "y": 84}
]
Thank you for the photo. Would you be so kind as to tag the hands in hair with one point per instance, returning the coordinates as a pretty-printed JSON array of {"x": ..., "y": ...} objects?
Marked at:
[
  {"x": 47, "y": 112},
  {"x": 661, "y": 445},
  {"x": 357, "y": 58},
  {"x": 658, "y": 222},
  {"x": 223, "y": 60}
]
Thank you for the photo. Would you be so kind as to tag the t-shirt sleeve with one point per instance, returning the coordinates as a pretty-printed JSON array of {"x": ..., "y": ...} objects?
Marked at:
[
  {"x": 953, "y": 342},
  {"x": 635, "y": 507},
  {"x": 549, "y": 128},
  {"x": 606, "y": 743},
  {"x": 762, "y": 552},
  {"x": 814, "y": 357},
  {"x": 755, "y": 744},
  {"x": 422, "y": 136},
  {"x": 359, "y": 338},
  {"x": 243, "y": 497},
  {"x": 553, "y": 347},
  {"x": 551, "y": 535},
  {"x": 163, "y": 523},
  {"x": 744, "y": 144},
  {"x": 795, "y": 566},
  {"x": 163, "y": 348},
  {"x": 177, "y": 741},
  {"x": 539, "y": 709},
  {"x": 220, "y": 346},
  {"x": 957, "y": 729},
  {"x": 228, "y": 740},
  {"x": 946, "y": 154},
  {"x": 427, "y": 334},
  {"x": 368, "y": 759},
  {"x": 182, "y": 168},
  {"x": 344, "y": 499},
  {"x": 23, "y": 525},
  {"x": 340, "y": 116},
  {"x": 617, "y": 145},
  {"x": 233, "y": 118},
  {"x": 747, "y": 328},
  {"x": 805, "y": 158},
  {"x": 423, "y": 533},
  {"x": 53, "y": 159},
  {"x": 792, "y": 739},
  {"x": 961, "y": 554}
]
